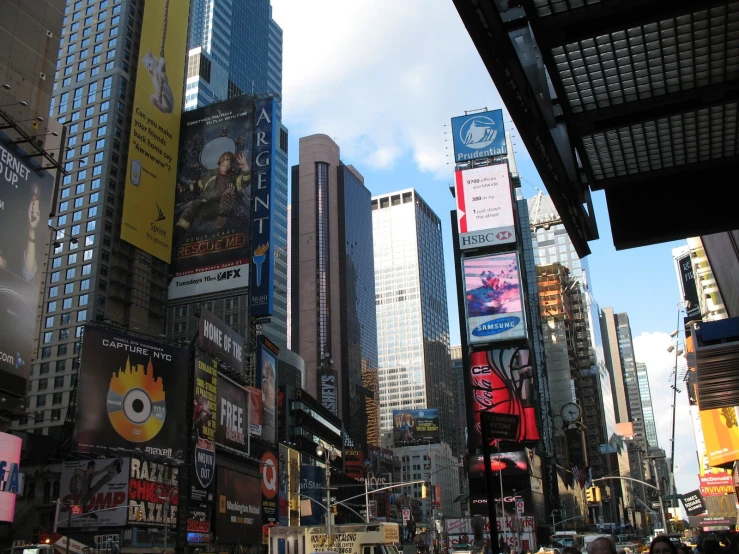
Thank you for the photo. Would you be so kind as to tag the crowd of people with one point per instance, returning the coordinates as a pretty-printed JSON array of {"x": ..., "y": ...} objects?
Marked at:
[{"x": 662, "y": 545}]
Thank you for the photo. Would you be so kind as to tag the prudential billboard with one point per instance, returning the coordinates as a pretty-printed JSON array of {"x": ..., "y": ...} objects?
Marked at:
[{"x": 479, "y": 135}]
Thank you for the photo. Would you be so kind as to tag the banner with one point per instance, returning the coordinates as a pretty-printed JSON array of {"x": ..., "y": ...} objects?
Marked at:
[
  {"x": 212, "y": 212},
  {"x": 312, "y": 485},
  {"x": 693, "y": 503},
  {"x": 153, "y": 494},
  {"x": 687, "y": 283},
  {"x": 204, "y": 418},
  {"x": 716, "y": 484},
  {"x": 220, "y": 340},
  {"x": 155, "y": 129},
  {"x": 262, "y": 236},
  {"x": 484, "y": 206},
  {"x": 132, "y": 394},
  {"x": 721, "y": 435},
  {"x": 479, "y": 135},
  {"x": 238, "y": 517},
  {"x": 233, "y": 416},
  {"x": 502, "y": 381},
  {"x": 267, "y": 381},
  {"x": 10, "y": 458},
  {"x": 25, "y": 202},
  {"x": 415, "y": 427},
  {"x": 99, "y": 486},
  {"x": 493, "y": 305}
]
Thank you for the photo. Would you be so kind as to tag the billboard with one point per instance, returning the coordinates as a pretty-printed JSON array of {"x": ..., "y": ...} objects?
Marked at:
[
  {"x": 132, "y": 394},
  {"x": 484, "y": 206},
  {"x": 219, "y": 340},
  {"x": 693, "y": 503},
  {"x": 233, "y": 416},
  {"x": 270, "y": 480},
  {"x": 25, "y": 202},
  {"x": 493, "y": 299},
  {"x": 99, "y": 486},
  {"x": 155, "y": 129},
  {"x": 198, "y": 523},
  {"x": 261, "y": 287},
  {"x": 716, "y": 484},
  {"x": 255, "y": 411},
  {"x": 510, "y": 463},
  {"x": 415, "y": 427},
  {"x": 212, "y": 203},
  {"x": 153, "y": 494},
  {"x": 238, "y": 517},
  {"x": 10, "y": 457},
  {"x": 687, "y": 284},
  {"x": 267, "y": 381},
  {"x": 479, "y": 135},
  {"x": 502, "y": 381},
  {"x": 204, "y": 417},
  {"x": 312, "y": 484},
  {"x": 721, "y": 435}
]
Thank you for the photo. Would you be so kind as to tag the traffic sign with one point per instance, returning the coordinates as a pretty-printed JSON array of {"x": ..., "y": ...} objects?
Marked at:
[{"x": 519, "y": 506}]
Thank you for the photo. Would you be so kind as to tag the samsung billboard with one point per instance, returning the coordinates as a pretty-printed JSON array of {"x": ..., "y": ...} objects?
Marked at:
[
  {"x": 479, "y": 135},
  {"x": 493, "y": 303},
  {"x": 484, "y": 206}
]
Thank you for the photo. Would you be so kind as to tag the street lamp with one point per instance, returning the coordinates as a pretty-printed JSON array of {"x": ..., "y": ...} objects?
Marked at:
[{"x": 328, "y": 455}]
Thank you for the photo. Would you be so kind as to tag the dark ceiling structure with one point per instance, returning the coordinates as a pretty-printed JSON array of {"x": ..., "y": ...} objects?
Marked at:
[{"x": 634, "y": 97}]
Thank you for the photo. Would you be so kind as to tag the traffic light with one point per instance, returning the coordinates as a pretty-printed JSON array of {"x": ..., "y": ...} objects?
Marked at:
[
  {"x": 597, "y": 494},
  {"x": 590, "y": 494},
  {"x": 424, "y": 491}
]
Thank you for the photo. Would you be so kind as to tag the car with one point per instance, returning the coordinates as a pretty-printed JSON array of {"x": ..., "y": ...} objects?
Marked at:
[{"x": 463, "y": 548}]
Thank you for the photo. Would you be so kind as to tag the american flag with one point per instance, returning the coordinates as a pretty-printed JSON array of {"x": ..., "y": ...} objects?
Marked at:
[{"x": 580, "y": 474}]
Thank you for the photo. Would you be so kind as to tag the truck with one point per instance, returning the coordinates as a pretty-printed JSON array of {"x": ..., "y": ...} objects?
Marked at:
[{"x": 360, "y": 538}]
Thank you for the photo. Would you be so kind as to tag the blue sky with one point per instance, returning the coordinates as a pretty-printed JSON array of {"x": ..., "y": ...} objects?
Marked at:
[{"x": 383, "y": 78}]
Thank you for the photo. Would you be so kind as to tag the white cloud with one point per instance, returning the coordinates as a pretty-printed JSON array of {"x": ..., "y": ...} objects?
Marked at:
[
  {"x": 381, "y": 76},
  {"x": 651, "y": 349}
]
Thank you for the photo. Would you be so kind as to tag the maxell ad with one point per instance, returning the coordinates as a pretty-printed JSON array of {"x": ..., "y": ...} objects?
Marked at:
[
  {"x": 493, "y": 302},
  {"x": 262, "y": 239},
  {"x": 132, "y": 394},
  {"x": 100, "y": 487},
  {"x": 220, "y": 340},
  {"x": 502, "y": 381},
  {"x": 213, "y": 199},
  {"x": 238, "y": 517},
  {"x": 155, "y": 129},
  {"x": 153, "y": 494},
  {"x": 233, "y": 416},
  {"x": 478, "y": 135},
  {"x": 204, "y": 418},
  {"x": 25, "y": 202},
  {"x": 484, "y": 206},
  {"x": 415, "y": 427}
]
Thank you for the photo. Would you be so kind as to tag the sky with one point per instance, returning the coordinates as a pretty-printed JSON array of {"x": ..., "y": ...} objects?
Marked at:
[{"x": 383, "y": 78}]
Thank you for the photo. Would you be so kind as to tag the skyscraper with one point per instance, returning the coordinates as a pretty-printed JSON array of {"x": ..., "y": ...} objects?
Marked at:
[
  {"x": 460, "y": 411},
  {"x": 650, "y": 426},
  {"x": 332, "y": 285},
  {"x": 412, "y": 319},
  {"x": 235, "y": 48}
]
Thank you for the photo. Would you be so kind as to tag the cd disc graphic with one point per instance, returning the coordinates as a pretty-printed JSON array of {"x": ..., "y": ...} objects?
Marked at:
[{"x": 136, "y": 407}]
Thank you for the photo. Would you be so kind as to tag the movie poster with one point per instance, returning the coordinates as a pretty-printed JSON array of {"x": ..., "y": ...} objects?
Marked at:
[
  {"x": 502, "y": 381},
  {"x": 25, "y": 202},
  {"x": 132, "y": 394},
  {"x": 493, "y": 303},
  {"x": 213, "y": 199},
  {"x": 153, "y": 494},
  {"x": 233, "y": 416},
  {"x": 204, "y": 418},
  {"x": 415, "y": 427}
]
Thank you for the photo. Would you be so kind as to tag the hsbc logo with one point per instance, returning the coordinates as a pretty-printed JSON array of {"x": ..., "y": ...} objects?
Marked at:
[
  {"x": 503, "y": 235},
  {"x": 230, "y": 274}
]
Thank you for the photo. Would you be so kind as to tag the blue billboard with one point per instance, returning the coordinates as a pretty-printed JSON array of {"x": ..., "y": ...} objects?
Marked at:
[
  {"x": 312, "y": 484},
  {"x": 479, "y": 135},
  {"x": 262, "y": 243}
]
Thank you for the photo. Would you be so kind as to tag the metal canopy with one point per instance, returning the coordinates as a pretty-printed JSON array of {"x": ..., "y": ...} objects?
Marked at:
[{"x": 639, "y": 98}]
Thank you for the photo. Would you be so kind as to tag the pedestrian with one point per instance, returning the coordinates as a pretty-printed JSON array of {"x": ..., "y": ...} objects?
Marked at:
[
  {"x": 602, "y": 545},
  {"x": 663, "y": 545},
  {"x": 683, "y": 549},
  {"x": 711, "y": 546}
]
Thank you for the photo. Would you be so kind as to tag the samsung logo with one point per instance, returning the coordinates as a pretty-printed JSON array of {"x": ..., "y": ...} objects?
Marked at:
[{"x": 497, "y": 326}]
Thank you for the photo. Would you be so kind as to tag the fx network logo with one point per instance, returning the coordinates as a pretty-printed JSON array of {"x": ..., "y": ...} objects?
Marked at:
[
  {"x": 160, "y": 214},
  {"x": 478, "y": 132},
  {"x": 231, "y": 273}
]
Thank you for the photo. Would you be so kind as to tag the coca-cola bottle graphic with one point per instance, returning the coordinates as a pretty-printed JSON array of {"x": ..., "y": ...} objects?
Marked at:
[{"x": 502, "y": 381}]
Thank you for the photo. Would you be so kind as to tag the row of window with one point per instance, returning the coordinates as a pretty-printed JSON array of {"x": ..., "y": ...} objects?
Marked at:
[
  {"x": 56, "y": 399},
  {"x": 61, "y": 349},
  {"x": 43, "y": 384},
  {"x": 64, "y": 333}
]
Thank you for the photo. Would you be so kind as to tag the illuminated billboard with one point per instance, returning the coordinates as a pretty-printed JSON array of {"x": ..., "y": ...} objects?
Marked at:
[
  {"x": 510, "y": 463},
  {"x": 10, "y": 457},
  {"x": 25, "y": 203},
  {"x": 415, "y": 427},
  {"x": 204, "y": 418},
  {"x": 155, "y": 129},
  {"x": 267, "y": 380},
  {"x": 721, "y": 433},
  {"x": 212, "y": 206},
  {"x": 502, "y": 382},
  {"x": 484, "y": 206},
  {"x": 493, "y": 303},
  {"x": 479, "y": 135}
]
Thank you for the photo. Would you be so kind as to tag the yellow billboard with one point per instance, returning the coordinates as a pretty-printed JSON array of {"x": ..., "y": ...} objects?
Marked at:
[
  {"x": 721, "y": 433},
  {"x": 148, "y": 205}
]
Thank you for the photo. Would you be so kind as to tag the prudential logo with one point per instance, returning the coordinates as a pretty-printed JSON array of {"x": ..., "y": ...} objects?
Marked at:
[
  {"x": 478, "y": 132},
  {"x": 496, "y": 326}
]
